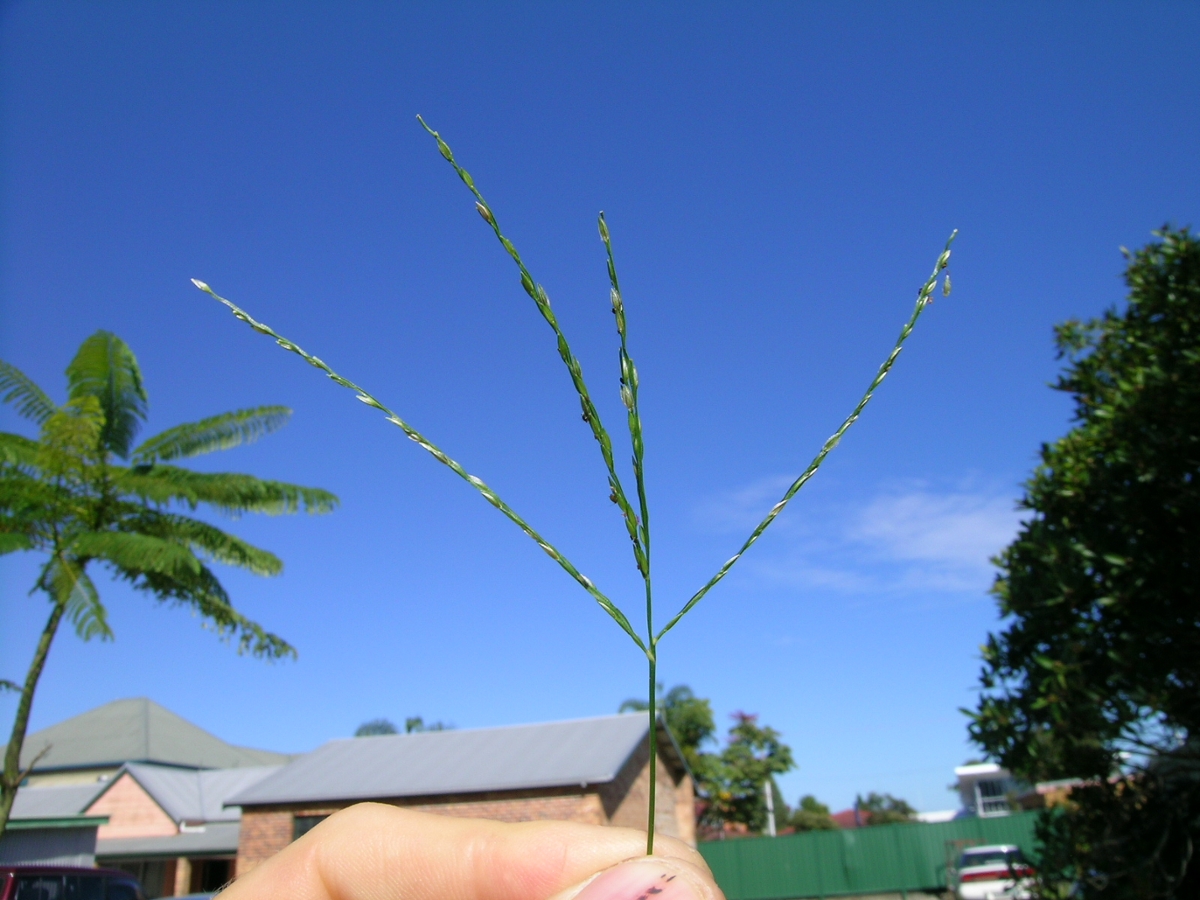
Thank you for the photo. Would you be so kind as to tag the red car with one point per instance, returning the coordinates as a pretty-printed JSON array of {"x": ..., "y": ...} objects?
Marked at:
[{"x": 65, "y": 883}]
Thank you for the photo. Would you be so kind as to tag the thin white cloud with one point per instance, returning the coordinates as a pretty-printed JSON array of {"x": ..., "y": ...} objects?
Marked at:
[
  {"x": 959, "y": 531},
  {"x": 741, "y": 508},
  {"x": 899, "y": 541}
]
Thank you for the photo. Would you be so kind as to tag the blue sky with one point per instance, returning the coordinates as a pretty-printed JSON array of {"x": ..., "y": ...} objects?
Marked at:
[{"x": 779, "y": 179}]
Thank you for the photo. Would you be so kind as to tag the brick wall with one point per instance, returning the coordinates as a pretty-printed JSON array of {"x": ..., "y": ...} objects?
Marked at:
[
  {"x": 262, "y": 835},
  {"x": 131, "y": 812},
  {"x": 268, "y": 829}
]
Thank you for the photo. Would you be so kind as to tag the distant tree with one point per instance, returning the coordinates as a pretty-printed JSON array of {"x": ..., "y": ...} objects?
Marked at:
[
  {"x": 82, "y": 493},
  {"x": 811, "y": 815},
  {"x": 730, "y": 783},
  {"x": 884, "y": 809},
  {"x": 1097, "y": 674},
  {"x": 733, "y": 781},
  {"x": 416, "y": 723},
  {"x": 375, "y": 727},
  {"x": 688, "y": 717}
]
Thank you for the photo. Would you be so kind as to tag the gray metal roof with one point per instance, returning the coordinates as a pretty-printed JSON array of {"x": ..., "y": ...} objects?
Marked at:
[
  {"x": 190, "y": 795},
  {"x": 551, "y": 754},
  {"x": 219, "y": 838},
  {"x": 136, "y": 730},
  {"x": 55, "y": 802}
]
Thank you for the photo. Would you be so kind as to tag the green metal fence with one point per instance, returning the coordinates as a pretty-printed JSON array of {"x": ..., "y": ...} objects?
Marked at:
[{"x": 882, "y": 859}]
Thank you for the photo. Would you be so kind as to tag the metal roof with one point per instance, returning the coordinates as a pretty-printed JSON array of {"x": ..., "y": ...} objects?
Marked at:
[
  {"x": 190, "y": 795},
  {"x": 136, "y": 730},
  {"x": 550, "y": 754},
  {"x": 55, "y": 802},
  {"x": 217, "y": 838}
]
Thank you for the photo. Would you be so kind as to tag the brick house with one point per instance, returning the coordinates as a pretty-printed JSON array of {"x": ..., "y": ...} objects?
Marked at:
[
  {"x": 586, "y": 770},
  {"x": 149, "y": 785}
]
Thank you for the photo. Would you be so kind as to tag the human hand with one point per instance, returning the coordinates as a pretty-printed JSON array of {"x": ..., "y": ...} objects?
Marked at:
[{"x": 376, "y": 852}]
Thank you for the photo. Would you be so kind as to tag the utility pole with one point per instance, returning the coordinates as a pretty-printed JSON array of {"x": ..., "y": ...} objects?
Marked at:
[{"x": 770, "y": 807}]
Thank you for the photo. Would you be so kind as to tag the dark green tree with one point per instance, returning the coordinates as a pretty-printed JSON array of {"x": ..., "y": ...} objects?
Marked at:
[
  {"x": 884, "y": 809},
  {"x": 733, "y": 781},
  {"x": 82, "y": 495},
  {"x": 689, "y": 719},
  {"x": 415, "y": 724},
  {"x": 375, "y": 727},
  {"x": 1096, "y": 674},
  {"x": 811, "y": 815},
  {"x": 730, "y": 783}
]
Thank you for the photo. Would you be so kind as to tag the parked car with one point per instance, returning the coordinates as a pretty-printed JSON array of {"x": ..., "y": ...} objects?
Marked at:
[
  {"x": 66, "y": 883},
  {"x": 993, "y": 872}
]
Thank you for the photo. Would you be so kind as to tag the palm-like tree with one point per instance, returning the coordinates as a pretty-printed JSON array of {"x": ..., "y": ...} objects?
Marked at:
[{"x": 81, "y": 493}]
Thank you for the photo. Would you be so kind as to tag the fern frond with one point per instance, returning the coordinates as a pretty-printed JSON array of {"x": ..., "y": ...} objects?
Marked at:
[
  {"x": 17, "y": 450},
  {"x": 214, "y": 433},
  {"x": 230, "y": 493},
  {"x": 137, "y": 553},
  {"x": 105, "y": 368},
  {"x": 20, "y": 390},
  {"x": 71, "y": 586},
  {"x": 203, "y": 593},
  {"x": 11, "y": 542},
  {"x": 209, "y": 541}
]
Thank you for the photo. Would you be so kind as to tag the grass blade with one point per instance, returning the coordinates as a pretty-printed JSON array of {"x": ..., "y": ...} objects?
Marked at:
[
  {"x": 924, "y": 298},
  {"x": 488, "y": 494}
]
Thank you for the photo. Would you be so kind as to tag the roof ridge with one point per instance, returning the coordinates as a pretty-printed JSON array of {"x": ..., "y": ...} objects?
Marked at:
[{"x": 415, "y": 734}]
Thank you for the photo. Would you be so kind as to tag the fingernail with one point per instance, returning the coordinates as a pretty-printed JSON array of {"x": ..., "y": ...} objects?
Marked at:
[{"x": 643, "y": 879}]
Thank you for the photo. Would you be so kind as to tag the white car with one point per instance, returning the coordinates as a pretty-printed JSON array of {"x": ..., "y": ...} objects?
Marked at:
[{"x": 994, "y": 872}]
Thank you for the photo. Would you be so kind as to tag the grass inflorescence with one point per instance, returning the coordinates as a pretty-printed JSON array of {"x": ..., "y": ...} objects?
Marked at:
[{"x": 636, "y": 519}]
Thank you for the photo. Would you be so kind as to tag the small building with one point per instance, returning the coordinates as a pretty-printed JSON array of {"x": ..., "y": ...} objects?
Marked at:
[
  {"x": 133, "y": 786},
  {"x": 586, "y": 770}
]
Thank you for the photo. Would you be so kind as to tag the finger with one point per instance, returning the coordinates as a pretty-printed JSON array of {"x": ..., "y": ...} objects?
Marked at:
[{"x": 377, "y": 852}]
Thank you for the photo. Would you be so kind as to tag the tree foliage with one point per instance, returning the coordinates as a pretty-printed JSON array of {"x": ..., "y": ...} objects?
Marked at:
[
  {"x": 1097, "y": 673},
  {"x": 734, "y": 780},
  {"x": 689, "y": 719},
  {"x": 82, "y": 495},
  {"x": 884, "y": 809},
  {"x": 730, "y": 782},
  {"x": 811, "y": 815}
]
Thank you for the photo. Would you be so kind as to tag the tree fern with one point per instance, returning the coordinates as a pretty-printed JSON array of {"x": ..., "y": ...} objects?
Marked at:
[{"x": 63, "y": 495}]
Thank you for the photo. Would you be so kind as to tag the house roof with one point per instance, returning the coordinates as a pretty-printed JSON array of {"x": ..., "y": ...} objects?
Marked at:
[
  {"x": 217, "y": 838},
  {"x": 550, "y": 754},
  {"x": 55, "y": 802},
  {"x": 136, "y": 730},
  {"x": 190, "y": 795}
]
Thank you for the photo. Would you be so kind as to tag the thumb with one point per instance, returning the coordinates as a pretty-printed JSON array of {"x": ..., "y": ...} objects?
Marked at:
[{"x": 376, "y": 852}]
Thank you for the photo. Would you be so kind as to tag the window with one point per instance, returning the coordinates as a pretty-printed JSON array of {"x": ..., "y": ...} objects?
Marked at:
[
  {"x": 39, "y": 887},
  {"x": 84, "y": 887},
  {"x": 151, "y": 874},
  {"x": 214, "y": 874},
  {"x": 991, "y": 796},
  {"x": 302, "y": 825}
]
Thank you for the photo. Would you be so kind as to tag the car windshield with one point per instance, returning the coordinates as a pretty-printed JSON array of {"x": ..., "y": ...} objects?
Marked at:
[{"x": 990, "y": 858}]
